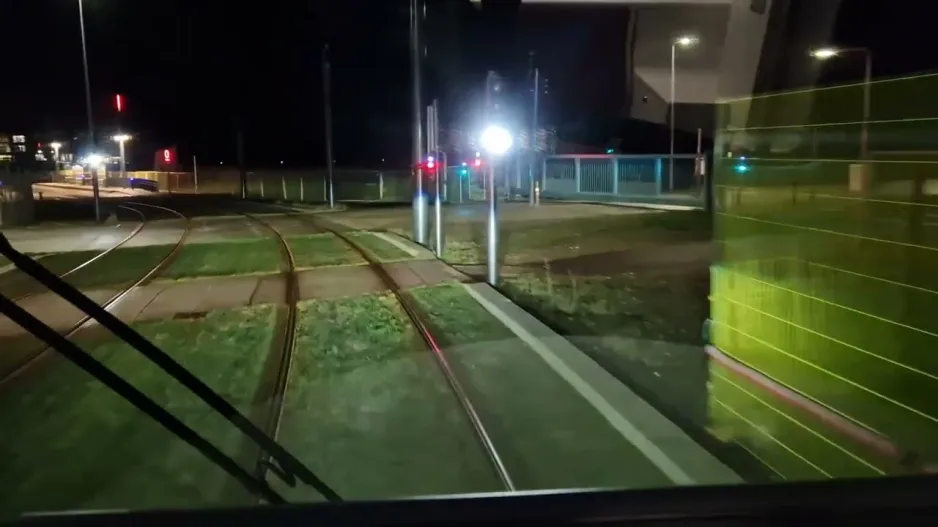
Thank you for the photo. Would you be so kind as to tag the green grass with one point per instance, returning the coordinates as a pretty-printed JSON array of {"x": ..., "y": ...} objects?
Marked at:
[
  {"x": 16, "y": 283},
  {"x": 382, "y": 250},
  {"x": 533, "y": 241},
  {"x": 225, "y": 259},
  {"x": 320, "y": 250},
  {"x": 548, "y": 435},
  {"x": 644, "y": 327},
  {"x": 368, "y": 411},
  {"x": 70, "y": 443},
  {"x": 120, "y": 267}
]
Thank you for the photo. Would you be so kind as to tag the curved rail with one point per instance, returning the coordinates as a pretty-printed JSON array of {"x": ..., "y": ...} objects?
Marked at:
[
  {"x": 273, "y": 410},
  {"x": 417, "y": 318},
  {"x": 102, "y": 254},
  {"x": 159, "y": 267}
]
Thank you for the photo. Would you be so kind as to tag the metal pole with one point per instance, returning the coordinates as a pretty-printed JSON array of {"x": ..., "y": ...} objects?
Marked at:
[
  {"x": 492, "y": 219},
  {"x": 441, "y": 164},
  {"x": 673, "y": 108},
  {"x": 242, "y": 169},
  {"x": 420, "y": 202},
  {"x": 864, "y": 130},
  {"x": 123, "y": 161},
  {"x": 492, "y": 230},
  {"x": 195, "y": 175},
  {"x": 533, "y": 138},
  {"x": 327, "y": 112},
  {"x": 91, "y": 143}
]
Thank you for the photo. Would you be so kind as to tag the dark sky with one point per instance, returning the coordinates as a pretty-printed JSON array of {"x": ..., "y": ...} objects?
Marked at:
[{"x": 191, "y": 70}]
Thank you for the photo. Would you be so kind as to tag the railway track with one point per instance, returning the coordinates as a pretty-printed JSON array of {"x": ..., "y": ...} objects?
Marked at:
[
  {"x": 418, "y": 320},
  {"x": 102, "y": 254},
  {"x": 40, "y": 357},
  {"x": 272, "y": 393}
]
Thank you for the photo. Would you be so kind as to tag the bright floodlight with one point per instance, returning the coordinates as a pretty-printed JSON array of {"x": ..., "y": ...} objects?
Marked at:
[
  {"x": 55, "y": 145},
  {"x": 94, "y": 160},
  {"x": 686, "y": 41},
  {"x": 824, "y": 53},
  {"x": 120, "y": 138},
  {"x": 496, "y": 140}
]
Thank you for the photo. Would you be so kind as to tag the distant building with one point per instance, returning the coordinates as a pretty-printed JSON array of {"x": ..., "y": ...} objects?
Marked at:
[{"x": 22, "y": 152}]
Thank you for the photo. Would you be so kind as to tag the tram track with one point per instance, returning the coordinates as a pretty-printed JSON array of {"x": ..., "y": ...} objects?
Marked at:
[
  {"x": 273, "y": 391},
  {"x": 40, "y": 357},
  {"x": 434, "y": 344},
  {"x": 140, "y": 227}
]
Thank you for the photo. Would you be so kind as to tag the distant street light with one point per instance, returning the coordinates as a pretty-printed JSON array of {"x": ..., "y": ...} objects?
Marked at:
[
  {"x": 683, "y": 42},
  {"x": 829, "y": 53},
  {"x": 55, "y": 154},
  {"x": 93, "y": 160},
  {"x": 121, "y": 139}
]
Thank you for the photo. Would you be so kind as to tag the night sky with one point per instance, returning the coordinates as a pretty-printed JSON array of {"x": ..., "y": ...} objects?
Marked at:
[{"x": 193, "y": 71}]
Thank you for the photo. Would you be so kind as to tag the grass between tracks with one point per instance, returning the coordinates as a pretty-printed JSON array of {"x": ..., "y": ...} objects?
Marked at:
[
  {"x": 320, "y": 250},
  {"x": 382, "y": 249},
  {"x": 73, "y": 444}
]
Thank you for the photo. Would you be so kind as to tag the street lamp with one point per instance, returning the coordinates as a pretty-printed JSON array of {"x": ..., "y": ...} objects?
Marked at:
[
  {"x": 683, "y": 42},
  {"x": 121, "y": 139},
  {"x": 84, "y": 56},
  {"x": 829, "y": 53},
  {"x": 496, "y": 140}
]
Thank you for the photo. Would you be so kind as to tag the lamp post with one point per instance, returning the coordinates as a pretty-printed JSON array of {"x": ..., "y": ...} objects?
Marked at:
[
  {"x": 496, "y": 141},
  {"x": 420, "y": 199},
  {"x": 121, "y": 139},
  {"x": 829, "y": 53},
  {"x": 84, "y": 57},
  {"x": 683, "y": 42}
]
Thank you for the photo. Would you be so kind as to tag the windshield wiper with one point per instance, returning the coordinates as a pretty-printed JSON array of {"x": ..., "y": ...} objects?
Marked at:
[{"x": 290, "y": 470}]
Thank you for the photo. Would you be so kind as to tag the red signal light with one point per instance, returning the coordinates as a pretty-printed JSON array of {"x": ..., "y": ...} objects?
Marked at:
[
  {"x": 119, "y": 102},
  {"x": 430, "y": 165},
  {"x": 478, "y": 162}
]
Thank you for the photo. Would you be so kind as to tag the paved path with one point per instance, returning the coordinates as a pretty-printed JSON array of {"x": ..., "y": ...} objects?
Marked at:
[{"x": 165, "y": 298}]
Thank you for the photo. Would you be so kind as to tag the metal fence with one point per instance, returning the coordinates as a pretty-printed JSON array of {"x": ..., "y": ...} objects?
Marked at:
[{"x": 622, "y": 177}]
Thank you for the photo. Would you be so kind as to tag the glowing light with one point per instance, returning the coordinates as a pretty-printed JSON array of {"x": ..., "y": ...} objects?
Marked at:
[
  {"x": 93, "y": 160},
  {"x": 496, "y": 140},
  {"x": 686, "y": 41},
  {"x": 120, "y": 138},
  {"x": 824, "y": 53},
  {"x": 478, "y": 162},
  {"x": 119, "y": 102}
]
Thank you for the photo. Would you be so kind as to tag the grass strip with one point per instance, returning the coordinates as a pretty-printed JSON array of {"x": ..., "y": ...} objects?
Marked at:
[
  {"x": 321, "y": 250},
  {"x": 382, "y": 249},
  {"x": 71, "y": 443},
  {"x": 225, "y": 259}
]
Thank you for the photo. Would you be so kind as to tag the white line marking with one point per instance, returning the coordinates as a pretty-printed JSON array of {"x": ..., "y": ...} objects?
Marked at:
[
  {"x": 398, "y": 243},
  {"x": 618, "y": 421}
]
